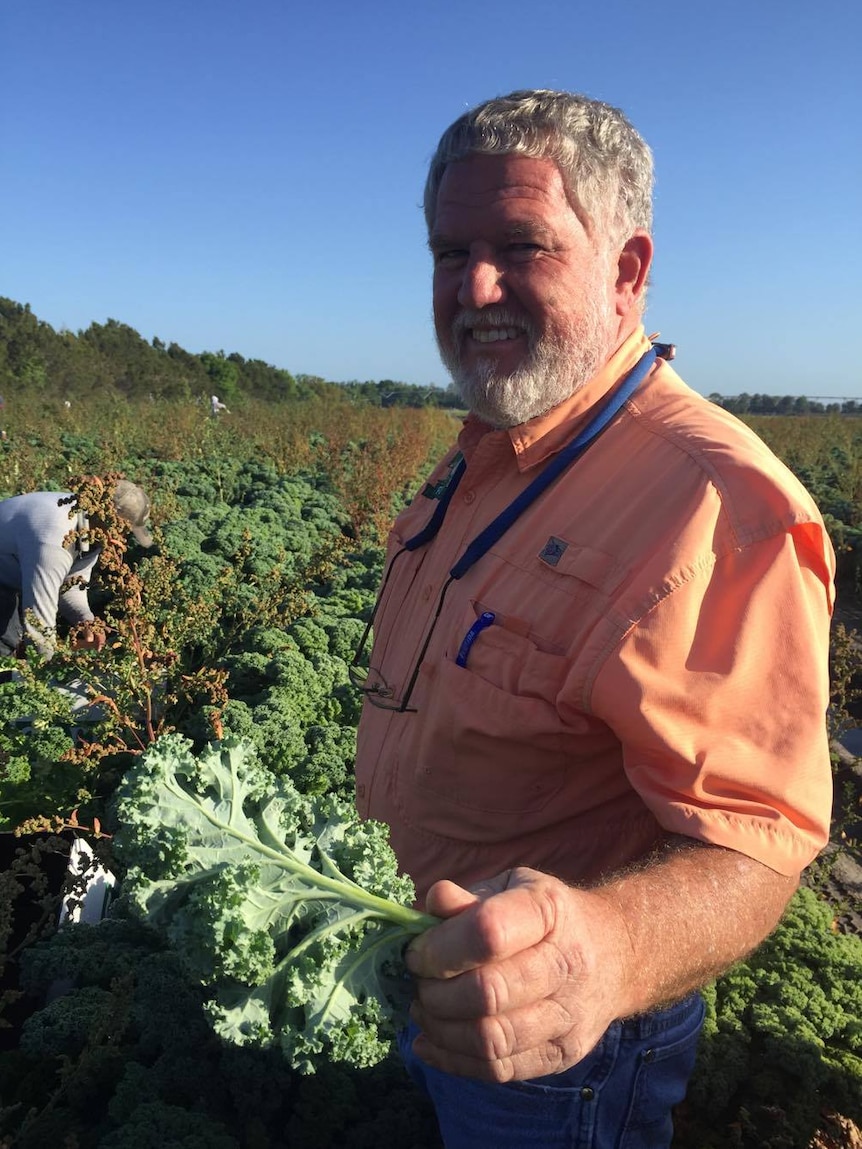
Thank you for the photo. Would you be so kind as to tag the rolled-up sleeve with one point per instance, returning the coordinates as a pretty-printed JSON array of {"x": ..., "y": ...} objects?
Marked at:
[{"x": 718, "y": 696}]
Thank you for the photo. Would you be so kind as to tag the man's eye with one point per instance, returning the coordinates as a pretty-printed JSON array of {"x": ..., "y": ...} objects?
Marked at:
[
  {"x": 450, "y": 257},
  {"x": 523, "y": 251}
]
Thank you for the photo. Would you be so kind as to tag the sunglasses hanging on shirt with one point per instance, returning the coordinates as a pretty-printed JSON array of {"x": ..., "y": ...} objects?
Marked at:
[{"x": 371, "y": 682}]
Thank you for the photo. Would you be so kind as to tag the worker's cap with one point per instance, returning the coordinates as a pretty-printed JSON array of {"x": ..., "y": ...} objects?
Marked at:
[{"x": 132, "y": 504}]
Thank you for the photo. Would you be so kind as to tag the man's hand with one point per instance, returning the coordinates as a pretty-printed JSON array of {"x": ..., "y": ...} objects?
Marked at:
[
  {"x": 525, "y": 974},
  {"x": 521, "y": 980},
  {"x": 89, "y": 638}
]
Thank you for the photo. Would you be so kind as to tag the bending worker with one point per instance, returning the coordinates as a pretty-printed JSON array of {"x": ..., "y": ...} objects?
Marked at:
[
  {"x": 45, "y": 572},
  {"x": 595, "y": 703}
]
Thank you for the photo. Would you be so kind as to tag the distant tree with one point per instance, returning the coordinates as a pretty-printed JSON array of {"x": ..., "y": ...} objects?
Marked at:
[
  {"x": 189, "y": 368},
  {"x": 26, "y": 340},
  {"x": 75, "y": 367},
  {"x": 449, "y": 397},
  {"x": 223, "y": 375},
  {"x": 761, "y": 404},
  {"x": 263, "y": 380}
]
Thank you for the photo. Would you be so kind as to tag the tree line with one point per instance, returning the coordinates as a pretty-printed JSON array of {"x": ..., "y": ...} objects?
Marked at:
[
  {"x": 113, "y": 357},
  {"x": 757, "y": 404}
]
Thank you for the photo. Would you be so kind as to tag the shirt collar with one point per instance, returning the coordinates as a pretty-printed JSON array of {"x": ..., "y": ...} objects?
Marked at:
[{"x": 539, "y": 438}]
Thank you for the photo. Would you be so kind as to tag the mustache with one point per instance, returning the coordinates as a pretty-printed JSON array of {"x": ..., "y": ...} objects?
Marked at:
[{"x": 494, "y": 316}]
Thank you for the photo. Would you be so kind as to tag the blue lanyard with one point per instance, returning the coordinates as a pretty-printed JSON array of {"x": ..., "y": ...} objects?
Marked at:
[{"x": 495, "y": 530}]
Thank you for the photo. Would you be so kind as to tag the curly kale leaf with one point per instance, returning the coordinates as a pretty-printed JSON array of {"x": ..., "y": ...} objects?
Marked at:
[{"x": 287, "y": 906}]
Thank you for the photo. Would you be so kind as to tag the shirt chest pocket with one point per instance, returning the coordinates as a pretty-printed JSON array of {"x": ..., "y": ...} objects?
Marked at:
[
  {"x": 491, "y": 751},
  {"x": 490, "y": 738}
]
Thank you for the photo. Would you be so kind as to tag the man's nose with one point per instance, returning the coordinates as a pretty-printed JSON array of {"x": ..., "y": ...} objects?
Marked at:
[{"x": 481, "y": 284}]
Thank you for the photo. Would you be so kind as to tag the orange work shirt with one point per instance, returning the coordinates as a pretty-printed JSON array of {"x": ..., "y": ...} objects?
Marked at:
[{"x": 658, "y": 660}]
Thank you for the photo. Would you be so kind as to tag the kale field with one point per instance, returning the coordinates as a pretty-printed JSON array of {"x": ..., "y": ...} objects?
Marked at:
[{"x": 237, "y": 629}]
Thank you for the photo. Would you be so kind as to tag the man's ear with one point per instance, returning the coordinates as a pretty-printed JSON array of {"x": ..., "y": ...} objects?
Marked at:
[{"x": 632, "y": 271}]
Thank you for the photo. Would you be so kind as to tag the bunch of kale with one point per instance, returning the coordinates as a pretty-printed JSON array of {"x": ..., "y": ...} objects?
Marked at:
[{"x": 286, "y": 906}]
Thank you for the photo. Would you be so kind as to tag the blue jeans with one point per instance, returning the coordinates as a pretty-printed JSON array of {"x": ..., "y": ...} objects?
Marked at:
[{"x": 619, "y": 1097}]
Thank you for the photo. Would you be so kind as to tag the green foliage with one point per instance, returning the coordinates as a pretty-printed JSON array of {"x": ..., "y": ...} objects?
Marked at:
[
  {"x": 36, "y": 728},
  {"x": 222, "y": 591},
  {"x": 263, "y": 572},
  {"x": 782, "y": 1038},
  {"x": 114, "y": 355},
  {"x": 290, "y": 909},
  {"x": 155, "y": 1125},
  {"x": 129, "y": 1040},
  {"x": 826, "y": 455},
  {"x": 783, "y": 405},
  {"x": 269, "y": 523},
  {"x": 137, "y": 1058}
]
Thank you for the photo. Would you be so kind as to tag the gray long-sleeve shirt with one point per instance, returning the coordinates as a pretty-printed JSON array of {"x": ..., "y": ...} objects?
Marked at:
[{"x": 34, "y": 561}]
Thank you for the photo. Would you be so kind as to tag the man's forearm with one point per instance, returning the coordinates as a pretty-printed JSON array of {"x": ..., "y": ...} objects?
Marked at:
[
  {"x": 689, "y": 914},
  {"x": 524, "y": 973}
]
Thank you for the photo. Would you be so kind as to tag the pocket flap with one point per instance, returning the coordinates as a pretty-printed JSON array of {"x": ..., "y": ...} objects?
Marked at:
[{"x": 596, "y": 568}]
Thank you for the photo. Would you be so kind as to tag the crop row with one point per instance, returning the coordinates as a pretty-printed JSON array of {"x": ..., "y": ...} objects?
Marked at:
[{"x": 269, "y": 525}]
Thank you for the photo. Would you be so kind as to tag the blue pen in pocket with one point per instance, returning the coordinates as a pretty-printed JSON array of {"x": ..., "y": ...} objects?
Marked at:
[{"x": 484, "y": 620}]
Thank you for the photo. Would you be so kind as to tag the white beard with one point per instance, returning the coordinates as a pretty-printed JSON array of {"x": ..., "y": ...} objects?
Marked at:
[{"x": 553, "y": 370}]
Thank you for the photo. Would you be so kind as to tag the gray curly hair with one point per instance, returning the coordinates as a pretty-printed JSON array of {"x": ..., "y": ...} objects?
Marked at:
[{"x": 606, "y": 166}]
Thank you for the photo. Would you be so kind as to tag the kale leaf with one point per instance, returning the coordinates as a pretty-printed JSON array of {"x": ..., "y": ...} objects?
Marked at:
[{"x": 287, "y": 906}]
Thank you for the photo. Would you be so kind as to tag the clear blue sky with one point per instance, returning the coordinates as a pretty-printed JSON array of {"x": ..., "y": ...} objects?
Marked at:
[{"x": 246, "y": 175}]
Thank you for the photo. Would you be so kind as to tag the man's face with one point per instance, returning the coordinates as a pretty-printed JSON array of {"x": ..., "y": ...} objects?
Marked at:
[{"x": 523, "y": 300}]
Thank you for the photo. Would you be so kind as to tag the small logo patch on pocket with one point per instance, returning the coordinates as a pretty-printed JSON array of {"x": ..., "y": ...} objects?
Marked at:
[{"x": 552, "y": 551}]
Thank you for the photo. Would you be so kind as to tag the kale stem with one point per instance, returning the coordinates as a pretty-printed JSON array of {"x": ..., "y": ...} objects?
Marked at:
[{"x": 340, "y": 887}]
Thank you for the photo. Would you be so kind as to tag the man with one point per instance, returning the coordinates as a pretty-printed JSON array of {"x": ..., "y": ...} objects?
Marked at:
[
  {"x": 46, "y": 564},
  {"x": 596, "y": 728}
]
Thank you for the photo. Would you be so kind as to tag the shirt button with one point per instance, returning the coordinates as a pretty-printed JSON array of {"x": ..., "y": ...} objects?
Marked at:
[
  {"x": 469, "y": 496},
  {"x": 587, "y": 1093}
]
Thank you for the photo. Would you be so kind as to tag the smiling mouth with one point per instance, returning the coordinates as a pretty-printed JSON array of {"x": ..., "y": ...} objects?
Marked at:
[{"x": 495, "y": 334}]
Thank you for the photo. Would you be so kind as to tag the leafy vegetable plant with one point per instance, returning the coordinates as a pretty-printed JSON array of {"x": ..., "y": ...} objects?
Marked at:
[{"x": 287, "y": 906}]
